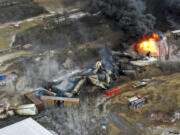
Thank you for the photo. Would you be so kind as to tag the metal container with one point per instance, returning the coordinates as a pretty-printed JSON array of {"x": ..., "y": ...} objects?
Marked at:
[
  {"x": 35, "y": 100},
  {"x": 10, "y": 113},
  {"x": 3, "y": 116},
  {"x": 48, "y": 103},
  {"x": 29, "y": 109},
  {"x": 50, "y": 100},
  {"x": 78, "y": 86}
]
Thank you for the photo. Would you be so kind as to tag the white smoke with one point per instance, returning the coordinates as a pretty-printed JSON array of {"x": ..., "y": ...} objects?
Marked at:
[
  {"x": 48, "y": 68},
  {"x": 162, "y": 47},
  {"x": 33, "y": 75},
  {"x": 168, "y": 49}
]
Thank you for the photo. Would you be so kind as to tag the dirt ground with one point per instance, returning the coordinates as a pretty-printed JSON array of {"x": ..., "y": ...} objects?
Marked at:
[
  {"x": 163, "y": 98},
  {"x": 27, "y": 69},
  {"x": 162, "y": 94}
]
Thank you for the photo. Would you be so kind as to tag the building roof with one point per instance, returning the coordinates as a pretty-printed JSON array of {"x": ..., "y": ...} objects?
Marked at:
[{"x": 25, "y": 127}]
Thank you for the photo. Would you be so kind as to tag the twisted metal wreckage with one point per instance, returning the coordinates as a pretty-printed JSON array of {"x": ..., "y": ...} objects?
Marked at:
[
  {"x": 101, "y": 75},
  {"x": 67, "y": 90}
]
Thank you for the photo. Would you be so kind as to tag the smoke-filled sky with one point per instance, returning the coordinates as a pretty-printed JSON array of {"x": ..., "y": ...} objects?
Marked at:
[
  {"x": 129, "y": 14},
  {"x": 132, "y": 16},
  {"x": 172, "y": 11}
]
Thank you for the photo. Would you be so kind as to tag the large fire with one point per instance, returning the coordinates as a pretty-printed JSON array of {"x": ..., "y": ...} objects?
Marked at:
[{"x": 148, "y": 44}]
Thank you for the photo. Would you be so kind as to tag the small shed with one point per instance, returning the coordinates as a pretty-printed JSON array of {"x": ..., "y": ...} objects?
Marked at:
[{"x": 25, "y": 127}]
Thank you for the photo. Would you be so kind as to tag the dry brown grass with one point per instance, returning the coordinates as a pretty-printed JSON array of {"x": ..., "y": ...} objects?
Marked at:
[{"x": 7, "y": 33}]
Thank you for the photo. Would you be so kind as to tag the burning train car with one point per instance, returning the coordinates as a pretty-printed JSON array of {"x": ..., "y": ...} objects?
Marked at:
[{"x": 153, "y": 43}]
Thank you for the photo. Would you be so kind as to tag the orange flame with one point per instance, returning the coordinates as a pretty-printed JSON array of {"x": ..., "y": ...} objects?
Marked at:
[{"x": 149, "y": 44}]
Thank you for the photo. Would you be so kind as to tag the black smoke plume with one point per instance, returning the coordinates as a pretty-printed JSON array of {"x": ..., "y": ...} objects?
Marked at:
[
  {"x": 167, "y": 13},
  {"x": 129, "y": 14},
  {"x": 172, "y": 13}
]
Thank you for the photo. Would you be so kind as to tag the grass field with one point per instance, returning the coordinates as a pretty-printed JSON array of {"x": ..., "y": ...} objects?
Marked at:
[
  {"x": 7, "y": 33},
  {"x": 163, "y": 97}
]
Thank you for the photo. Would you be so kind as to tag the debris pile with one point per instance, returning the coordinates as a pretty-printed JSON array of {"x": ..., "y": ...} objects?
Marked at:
[
  {"x": 66, "y": 90},
  {"x": 102, "y": 74}
]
